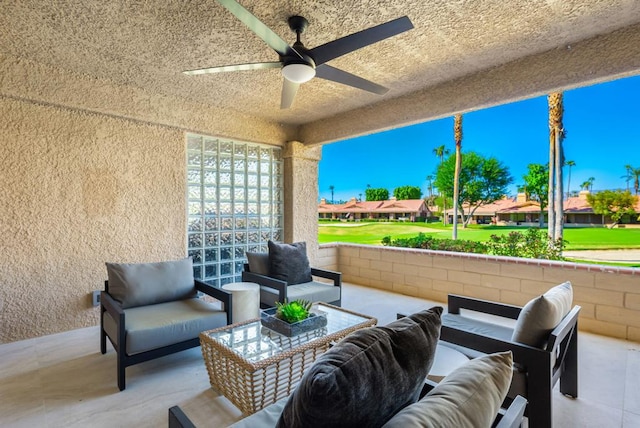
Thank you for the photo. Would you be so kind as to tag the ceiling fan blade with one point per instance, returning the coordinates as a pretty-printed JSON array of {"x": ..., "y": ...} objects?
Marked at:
[
  {"x": 289, "y": 90},
  {"x": 259, "y": 28},
  {"x": 352, "y": 42},
  {"x": 327, "y": 72},
  {"x": 237, "y": 67}
]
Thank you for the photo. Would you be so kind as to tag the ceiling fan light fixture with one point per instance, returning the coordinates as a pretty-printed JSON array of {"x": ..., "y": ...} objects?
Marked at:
[{"x": 298, "y": 73}]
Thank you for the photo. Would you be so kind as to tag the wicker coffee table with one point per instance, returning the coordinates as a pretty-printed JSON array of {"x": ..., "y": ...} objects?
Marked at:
[{"x": 253, "y": 366}]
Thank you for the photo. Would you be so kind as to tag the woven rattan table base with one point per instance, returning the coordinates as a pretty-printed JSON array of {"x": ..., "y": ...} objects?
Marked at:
[{"x": 252, "y": 386}]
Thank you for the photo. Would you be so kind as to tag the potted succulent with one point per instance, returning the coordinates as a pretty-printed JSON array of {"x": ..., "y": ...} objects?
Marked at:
[{"x": 292, "y": 318}]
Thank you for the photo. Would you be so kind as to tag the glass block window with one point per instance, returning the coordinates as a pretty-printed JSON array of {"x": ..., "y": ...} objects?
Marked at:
[{"x": 234, "y": 204}]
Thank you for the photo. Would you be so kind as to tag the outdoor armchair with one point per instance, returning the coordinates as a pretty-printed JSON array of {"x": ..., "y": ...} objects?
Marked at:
[
  {"x": 544, "y": 343},
  {"x": 149, "y": 310},
  {"x": 284, "y": 274}
]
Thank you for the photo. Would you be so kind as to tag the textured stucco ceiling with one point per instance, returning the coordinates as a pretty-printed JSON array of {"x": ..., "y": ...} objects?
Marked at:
[{"x": 146, "y": 45}]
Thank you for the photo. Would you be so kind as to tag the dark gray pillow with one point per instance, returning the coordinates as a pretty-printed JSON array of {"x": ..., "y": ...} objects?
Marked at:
[
  {"x": 258, "y": 263},
  {"x": 140, "y": 284},
  {"x": 367, "y": 377},
  {"x": 289, "y": 262}
]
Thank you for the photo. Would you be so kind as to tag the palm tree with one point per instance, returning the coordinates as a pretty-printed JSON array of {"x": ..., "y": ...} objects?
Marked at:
[
  {"x": 628, "y": 176},
  {"x": 588, "y": 184},
  {"x": 457, "y": 135},
  {"x": 556, "y": 136},
  {"x": 440, "y": 152},
  {"x": 430, "y": 186},
  {"x": 570, "y": 164},
  {"x": 635, "y": 173},
  {"x": 332, "y": 188}
]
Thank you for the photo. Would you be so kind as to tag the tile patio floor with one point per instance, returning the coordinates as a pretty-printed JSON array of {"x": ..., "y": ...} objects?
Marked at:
[{"x": 63, "y": 380}]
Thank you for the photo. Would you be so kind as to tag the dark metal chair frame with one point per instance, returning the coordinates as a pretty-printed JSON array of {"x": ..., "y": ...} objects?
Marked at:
[
  {"x": 506, "y": 418},
  {"x": 541, "y": 373},
  {"x": 110, "y": 305},
  {"x": 281, "y": 286}
]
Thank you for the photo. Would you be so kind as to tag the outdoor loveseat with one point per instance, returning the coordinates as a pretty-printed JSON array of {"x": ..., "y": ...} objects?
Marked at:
[
  {"x": 149, "y": 310},
  {"x": 376, "y": 377}
]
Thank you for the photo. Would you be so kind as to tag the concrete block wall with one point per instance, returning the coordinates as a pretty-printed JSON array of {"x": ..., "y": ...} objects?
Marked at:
[{"x": 609, "y": 296}]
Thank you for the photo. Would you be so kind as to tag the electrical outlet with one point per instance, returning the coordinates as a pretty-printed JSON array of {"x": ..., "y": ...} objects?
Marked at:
[{"x": 96, "y": 298}]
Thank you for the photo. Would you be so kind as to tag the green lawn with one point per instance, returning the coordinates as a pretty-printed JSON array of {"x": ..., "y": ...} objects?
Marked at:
[{"x": 372, "y": 234}]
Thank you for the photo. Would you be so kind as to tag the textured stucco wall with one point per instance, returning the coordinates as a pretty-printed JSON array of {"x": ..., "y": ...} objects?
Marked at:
[
  {"x": 79, "y": 189},
  {"x": 25, "y": 79},
  {"x": 301, "y": 195}
]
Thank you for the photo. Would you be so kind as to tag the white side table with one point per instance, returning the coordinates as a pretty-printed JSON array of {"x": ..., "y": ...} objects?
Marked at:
[
  {"x": 446, "y": 360},
  {"x": 245, "y": 304}
]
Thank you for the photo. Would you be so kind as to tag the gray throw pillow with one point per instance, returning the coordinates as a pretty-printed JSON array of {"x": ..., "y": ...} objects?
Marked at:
[
  {"x": 542, "y": 314},
  {"x": 258, "y": 263},
  {"x": 141, "y": 284},
  {"x": 368, "y": 376},
  {"x": 469, "y": 397},
  {"x": 289, "y": 262}
]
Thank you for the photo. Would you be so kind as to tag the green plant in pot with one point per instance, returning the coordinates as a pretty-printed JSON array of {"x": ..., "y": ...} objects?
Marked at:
[{"x": 294, "y": 311}]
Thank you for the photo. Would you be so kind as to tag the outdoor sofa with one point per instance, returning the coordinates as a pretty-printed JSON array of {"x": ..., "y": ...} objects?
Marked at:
[{"x": 376, "y": 377}]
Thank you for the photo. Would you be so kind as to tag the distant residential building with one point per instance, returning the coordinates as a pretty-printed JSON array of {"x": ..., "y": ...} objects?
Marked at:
[
  {"x": 521, "y": 211},
  {"x": 392, "y": 209}
]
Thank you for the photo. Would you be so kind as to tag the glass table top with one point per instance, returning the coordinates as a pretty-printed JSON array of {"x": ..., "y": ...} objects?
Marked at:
[{"x": 254, "y": 342}]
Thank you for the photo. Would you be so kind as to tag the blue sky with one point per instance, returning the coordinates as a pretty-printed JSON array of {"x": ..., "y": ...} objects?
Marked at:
[{"x": 601, "y": 121}]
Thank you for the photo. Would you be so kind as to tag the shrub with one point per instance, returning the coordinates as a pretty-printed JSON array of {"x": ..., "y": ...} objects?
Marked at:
[
  {"x": 532, "y": 244},
  {"x": 428, "y": 242}
]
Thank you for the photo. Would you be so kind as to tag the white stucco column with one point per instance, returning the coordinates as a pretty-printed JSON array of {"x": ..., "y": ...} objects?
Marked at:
[{"x": 301, "y": 195}]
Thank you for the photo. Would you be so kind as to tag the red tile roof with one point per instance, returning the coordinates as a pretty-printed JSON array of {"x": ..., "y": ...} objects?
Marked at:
[
  {"x": 389, "y": 206},
  {"x": 403, "y": 206},
  {"x": 575, "y": 204},
  {"x": 492, "y": 208},
  {"x": 359, "y": 207}
]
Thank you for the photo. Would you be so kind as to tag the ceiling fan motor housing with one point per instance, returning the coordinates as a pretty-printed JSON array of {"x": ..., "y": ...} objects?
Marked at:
[{"x": 298, "y": 24}]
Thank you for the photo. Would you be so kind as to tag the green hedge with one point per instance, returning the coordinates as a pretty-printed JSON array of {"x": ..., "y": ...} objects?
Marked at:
[
  {"x": 428, "y": 242},
  {"x": 532, "y": 244}
]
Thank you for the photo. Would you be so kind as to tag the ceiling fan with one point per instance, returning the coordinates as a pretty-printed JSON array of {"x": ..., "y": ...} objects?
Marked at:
[{"x": 299, "y": 64}]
